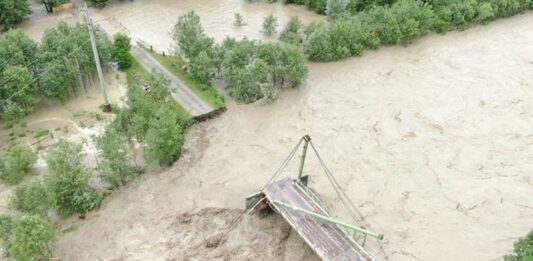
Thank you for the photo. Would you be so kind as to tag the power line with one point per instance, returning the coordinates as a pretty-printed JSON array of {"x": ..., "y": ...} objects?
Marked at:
[
  {"x": 37, "y": 60},
  {"x": 37, "y": 77}
]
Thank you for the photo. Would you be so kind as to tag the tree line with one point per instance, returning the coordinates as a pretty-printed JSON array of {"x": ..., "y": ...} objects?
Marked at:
[
  {"x": 358, "y": 25},
  {"x": 252, "y": 70}
]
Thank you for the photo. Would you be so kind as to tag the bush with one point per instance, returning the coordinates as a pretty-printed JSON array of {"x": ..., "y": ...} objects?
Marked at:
[
  {"x": 13, "y": 12},
  {"x": 67, "y": 181},
  {"x": 31, "y": 239},
  {"x": 269, "y": 25},
  {"x": 55, "y": 2},
  {"x": 121, "y": 51},
  {"x": 252, "y": 70},
  {"x": 16, "y": 163},
  {"x": 293, "y": 32},
  {"x": 6, "y": 226},
  {"x": 114, "y": 148},
  {"x": 31, "y": 198},
  {"x": 523, "y": 249},
  {"x": 164, "y": 138}
]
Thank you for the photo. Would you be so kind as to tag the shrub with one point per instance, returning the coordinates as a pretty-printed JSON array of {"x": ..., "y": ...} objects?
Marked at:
[
  {"x": 164, "y": 138},
  {"x": 336, "y": 8},
  {"x": 55, "y": 2},
  {"x": 293, "y": 31},
  {"x": 121, "y": 51},
  {"x": 269, "y": 25},
  {"x": 31, "y": 198},
  {"x": 238, "y": 19},
  {"x": 6, "y": 226},
  {"x": 114, "y": 148},
  {"x": 13, "y": 12},
  {"x": 523, "y": 249},
  {"x": 16, "y": 163},
  {"x": 67, "y": 181},
  {"x": 31, "y": 238}
]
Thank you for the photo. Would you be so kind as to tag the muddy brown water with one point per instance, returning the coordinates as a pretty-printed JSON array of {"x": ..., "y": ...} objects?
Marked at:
[{"x": 433, "y": 142}]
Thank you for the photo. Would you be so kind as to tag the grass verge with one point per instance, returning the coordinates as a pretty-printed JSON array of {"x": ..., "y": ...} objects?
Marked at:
[
  {"x": 138, "y": 73},
  {"x": 205, "y": 91}
]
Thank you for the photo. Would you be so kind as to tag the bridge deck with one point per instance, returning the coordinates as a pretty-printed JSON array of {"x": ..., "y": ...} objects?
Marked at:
[{"x": 326, "y": 239}]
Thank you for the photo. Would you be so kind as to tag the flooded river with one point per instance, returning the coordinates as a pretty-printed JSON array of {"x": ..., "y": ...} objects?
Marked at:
[{"x": 433, "y": 142}]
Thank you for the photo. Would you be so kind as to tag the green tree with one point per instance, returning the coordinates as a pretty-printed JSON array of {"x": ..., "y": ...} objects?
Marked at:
[
  {"x": 190, "y": 37},
  {"x": 17, "y": 161},
  {"x": 202, "y": 67},
  {"x": 16, "y": 48},
  {"x": 121, "y": 51},
  {"x": 113, "y": 146},
  {"x": 270, "y": 24},
  {"x": 67, "y": 180},
  {"x": 66, "y": 57},
  {"x": 31, "y": 239},
  {"x": 31, "y": 198},
  {"x": 164, "y": 138},
  {"x": 523, "y": 249},
  {"x": 238, "y": 19},
  {"x": 6, "y": 226},
  {"x": 336, "y": 9},
  {"x": 13, "y": 12},
  {"x": 293, "y": 31},
  {"x": 318, "y": 46},
  {"x": 293, "y": 66},
  {"x": 19, "y": 88}
]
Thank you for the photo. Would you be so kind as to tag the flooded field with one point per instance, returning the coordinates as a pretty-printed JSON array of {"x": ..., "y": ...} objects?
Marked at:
[
  {"x": 433, "y": 143},
  {"x": 74, "y": 120}
]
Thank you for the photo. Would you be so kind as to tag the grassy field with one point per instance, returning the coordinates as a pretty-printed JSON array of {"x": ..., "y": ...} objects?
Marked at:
[{"x": 205, "y": 91}]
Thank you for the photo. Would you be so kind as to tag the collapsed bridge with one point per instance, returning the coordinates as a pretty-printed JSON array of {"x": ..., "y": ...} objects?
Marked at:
[{"x": 330, "y": 238}]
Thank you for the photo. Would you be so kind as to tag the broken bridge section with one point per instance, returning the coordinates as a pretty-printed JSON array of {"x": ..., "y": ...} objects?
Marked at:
[{"x": 327, "y": 239}]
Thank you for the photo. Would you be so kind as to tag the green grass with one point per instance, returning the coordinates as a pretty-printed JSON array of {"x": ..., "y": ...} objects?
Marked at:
[
  {"x": 205, "y": 91},
  {"x": 138, "y": 73},
  {"x": 40, "y": 133}
]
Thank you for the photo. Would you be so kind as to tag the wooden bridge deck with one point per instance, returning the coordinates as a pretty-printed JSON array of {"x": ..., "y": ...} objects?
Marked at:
[{"x": 326, "y": 239}]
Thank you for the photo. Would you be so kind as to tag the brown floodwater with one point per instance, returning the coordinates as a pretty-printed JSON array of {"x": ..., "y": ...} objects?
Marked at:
[{"x": 433, "y": 142}]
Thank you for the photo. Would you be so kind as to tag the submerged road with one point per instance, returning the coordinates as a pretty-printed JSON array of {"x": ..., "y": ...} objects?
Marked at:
[{"x": 181, "y": 93}]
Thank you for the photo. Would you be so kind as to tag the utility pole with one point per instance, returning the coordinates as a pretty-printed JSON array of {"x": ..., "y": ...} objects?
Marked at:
[
  {"x": 307, "y": 139},
  {"x": 85, "y": 11}
]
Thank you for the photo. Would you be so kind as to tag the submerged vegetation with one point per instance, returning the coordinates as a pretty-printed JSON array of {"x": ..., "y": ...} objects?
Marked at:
[
  {"x": 251, "y": 70},
  {"x": 55, "y": 69},
  {"x": 523, "y": 249},
  {"x": 358, "y": 25}
]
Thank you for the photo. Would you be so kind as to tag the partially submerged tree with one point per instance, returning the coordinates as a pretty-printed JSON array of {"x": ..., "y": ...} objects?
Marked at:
[
  {"x": 113, "y": 146},
  {"x": 16, "y": 163},
  {"x": 293, "y": 32},
  {"x": 31, "y": 239},
  {"x": 67, "y": 180},
  {"x": 270, "y": 24},
  {"x": 31, "y": 198},
  {"x": 523, "y": 249},
  {"x": 164, "y": 138},
  {"x": 13, "y": 12},
  {"x": 121, "y": 51}
]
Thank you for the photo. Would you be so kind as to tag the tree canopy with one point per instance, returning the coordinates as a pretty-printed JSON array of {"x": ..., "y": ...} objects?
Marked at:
[{"x": 13, "y": 11}]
